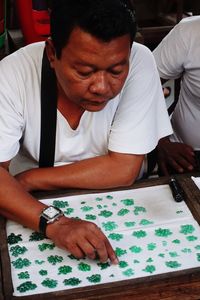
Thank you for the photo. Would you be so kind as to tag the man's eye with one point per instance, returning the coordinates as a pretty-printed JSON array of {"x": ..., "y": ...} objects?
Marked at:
[
  {"x": 116, "y": 72},
  {"x": 85, "y": 74}
]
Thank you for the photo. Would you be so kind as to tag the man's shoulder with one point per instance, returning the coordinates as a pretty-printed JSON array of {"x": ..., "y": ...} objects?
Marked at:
[{"x": 31, "y": 52}]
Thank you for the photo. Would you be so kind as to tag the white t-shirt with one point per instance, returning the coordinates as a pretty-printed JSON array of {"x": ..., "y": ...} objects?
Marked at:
[
  {"x": 179, "y": 55},
  {"x": 132, "y": 122}
]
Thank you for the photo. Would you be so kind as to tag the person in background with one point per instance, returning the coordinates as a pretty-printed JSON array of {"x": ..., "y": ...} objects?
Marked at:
[
  {"x": 177, "y": 56},
  {"x": 110, "y": 113}
]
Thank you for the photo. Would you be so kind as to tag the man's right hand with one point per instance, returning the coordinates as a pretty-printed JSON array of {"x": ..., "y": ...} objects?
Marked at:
[
  {"x": 81, "y": 238},
  {"x": 177, "y": 156}
]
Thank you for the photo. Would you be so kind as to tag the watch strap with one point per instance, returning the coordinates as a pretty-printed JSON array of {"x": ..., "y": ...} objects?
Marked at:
[
  {"x": 43, "y": 225},
  {"x": 43, "y": 222}
]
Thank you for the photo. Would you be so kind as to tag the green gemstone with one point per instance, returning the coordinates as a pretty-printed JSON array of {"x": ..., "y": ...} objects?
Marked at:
[
  {"x": 84, "y": 267},
  {"x": 26, "y": 286},
  {"x": 54, "y": 259},
  {"x": 115, "y": 236},
  {"x": 50, "y": 283},
  {"x": 23, "y": 275},
  {"x": 173, "y": 264},
  {"x": 119, "y": 252},
  {"x": 127, "y": 202},
  {"x": 14, "y": 238},
  {"x": 163, "y": 232},
  {"x": 60, "y": 204},
  {"x": 64, "y": 270},
  {"x": 149, "y": 269},
  {"x": 105, "y": 213},
  {"x": 72, "y": 281},
  {"x": 17, "y": 250},
  {"x": 187, "y": 229},
  {"x": 139, "y": 234},
  {"x": 94, "y": 278}
]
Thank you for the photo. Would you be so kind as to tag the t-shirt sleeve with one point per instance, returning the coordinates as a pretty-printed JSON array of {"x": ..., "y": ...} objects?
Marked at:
[
  {"x": 11, "y": 114},
  {"x": 170, "y": 55},
  {"x": 141, "y": 118}
]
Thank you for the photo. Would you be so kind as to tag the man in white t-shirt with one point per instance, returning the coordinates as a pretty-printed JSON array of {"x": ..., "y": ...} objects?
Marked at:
[
  {"x": 177, "y": 56},
  {"x": 110, "y": 113}
]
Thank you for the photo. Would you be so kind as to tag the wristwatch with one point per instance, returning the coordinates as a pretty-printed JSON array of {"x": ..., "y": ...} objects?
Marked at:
[{"x": 49, "y": 215}]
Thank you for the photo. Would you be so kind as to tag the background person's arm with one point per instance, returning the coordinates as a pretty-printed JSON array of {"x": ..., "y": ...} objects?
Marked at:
[
  {"x": 175, "y": 156},
  {"x": 108, "y": 171}
]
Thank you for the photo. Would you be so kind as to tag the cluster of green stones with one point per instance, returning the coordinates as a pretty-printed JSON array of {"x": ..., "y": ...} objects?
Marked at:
[
  {"x": 149, "y": 269},
  {"x": 43, "y": 272},
  {"x": 151, "y": 246},
  {"x": 123, "y": 264},
  {"x": 14, "y": 238},
  {"x": 72, "y": 281},
  {"x": 173, "y": 254},
  {"x": 103, "y": 266},
  {"x": 60, "y": 204},
  {"x": 96, "y": 278},
  {"x": 119, "y": 252},
  {"x": 54, "y": 259},
  {"x": 173, "y": 264},
  {"x": 129, "y": 224},
  {"x": 39, "y": 262},
  {"x": 84, "y": 267},
  {"x": 127, "y": 202},
  {"x": 105, "y": 213},
  {"x": 86, "y": 208},
  {"x": 26, "y": 286},
  {"x": 45, "y": 246},
  {"x": 139, "y": 234},
  {"x": 90, "y": 217},
  {"x": 64, "y": 270},
  {"x": 109, "y": 197},
  {"x": 109, "y": 226},
  {"x": 135, "y": 249},
  {"x": 68, "y": 211},
  {"x": 123, "y": 212},
  {"x": 21, "y": 263},
  {"x": 145, "y": 222},
  {"x": 115, "y": 236},
  {"x": 139, "y": 209},
  {"x": 198, "y": 256},
  {"x": 17, "y": 250},
  {"x": 36, "y": 236},
  {"x": 162, "y": 232},
  {"x": 23, "y": 275},
  {"x": 187, "y": 229},
  {"x": 129, "y": 272},
  {"x": 50, "y": 283},
  {"x": 191, "y": 238}
]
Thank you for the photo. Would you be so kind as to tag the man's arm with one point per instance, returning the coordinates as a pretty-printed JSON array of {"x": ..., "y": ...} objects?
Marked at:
[
  {"x": 81, "y": 238},
  {"x": 108, "y": 171}
]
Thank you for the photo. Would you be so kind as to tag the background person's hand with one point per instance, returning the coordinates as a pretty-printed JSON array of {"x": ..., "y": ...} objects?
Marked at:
[
  {"x": 81, "y": 238},
  {"x": 175, "y": 156}
]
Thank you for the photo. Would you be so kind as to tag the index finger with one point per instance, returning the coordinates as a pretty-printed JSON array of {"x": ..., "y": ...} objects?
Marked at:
[{"x": 103, "y": 247}]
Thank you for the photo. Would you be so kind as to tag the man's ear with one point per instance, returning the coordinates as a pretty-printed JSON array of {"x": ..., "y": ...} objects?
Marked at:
[{"x": 50, "y": 50}]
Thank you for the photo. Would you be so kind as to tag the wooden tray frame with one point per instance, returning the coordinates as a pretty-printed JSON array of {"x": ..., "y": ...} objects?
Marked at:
[{"x": 182, "y": 285}]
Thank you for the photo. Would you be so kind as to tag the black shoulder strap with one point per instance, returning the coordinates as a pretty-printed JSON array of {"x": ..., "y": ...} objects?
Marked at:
[{"x": 48, "y": 114}]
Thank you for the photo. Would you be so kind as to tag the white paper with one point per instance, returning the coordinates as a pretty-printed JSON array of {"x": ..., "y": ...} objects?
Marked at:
[{"x": 150, "y": 232}]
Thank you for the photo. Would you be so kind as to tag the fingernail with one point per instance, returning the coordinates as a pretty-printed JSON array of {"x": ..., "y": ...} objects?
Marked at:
[{"x": 115, "y": 261}]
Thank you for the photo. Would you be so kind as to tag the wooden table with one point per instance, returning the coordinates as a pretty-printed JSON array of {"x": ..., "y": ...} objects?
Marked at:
[{"x": 183, "y": 285}]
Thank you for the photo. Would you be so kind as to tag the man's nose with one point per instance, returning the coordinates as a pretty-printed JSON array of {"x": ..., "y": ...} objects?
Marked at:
[{"x": 100, "y": 84}]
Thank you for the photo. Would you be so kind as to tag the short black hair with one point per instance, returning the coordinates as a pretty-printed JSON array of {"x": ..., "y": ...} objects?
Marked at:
[{"x": 104, "y": 19}]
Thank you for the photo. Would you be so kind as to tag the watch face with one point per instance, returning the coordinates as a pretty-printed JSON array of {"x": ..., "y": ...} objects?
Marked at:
[{"x": 51, "y": 212}]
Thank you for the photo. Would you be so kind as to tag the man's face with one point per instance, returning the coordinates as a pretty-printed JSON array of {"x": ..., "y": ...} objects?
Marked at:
[{"x": 91, "y": 72}]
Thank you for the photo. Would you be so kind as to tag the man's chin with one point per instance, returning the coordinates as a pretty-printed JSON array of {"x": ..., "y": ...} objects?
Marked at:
[{"x": 95, "y": 108}]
